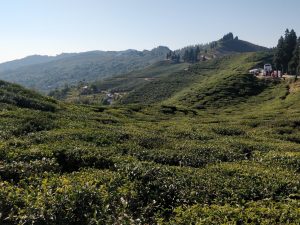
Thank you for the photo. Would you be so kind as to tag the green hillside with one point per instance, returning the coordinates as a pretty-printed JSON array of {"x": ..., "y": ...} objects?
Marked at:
[
  {"x": 95, "y": 92},
  {"x": 219, "y": 147},
  {"x": 224, "y": 80},
  {"x": 135, "y": 79},
  {"x": 204, "y": 83},
  {"x": 23, "y": 98},
  {"x": 173, "y": 81}
]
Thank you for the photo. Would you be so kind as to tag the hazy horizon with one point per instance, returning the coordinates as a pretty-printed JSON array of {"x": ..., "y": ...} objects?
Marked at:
[{"x": 53, "y": 27}]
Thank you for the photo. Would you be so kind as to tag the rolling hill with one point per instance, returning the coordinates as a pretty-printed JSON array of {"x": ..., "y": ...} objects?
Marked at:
[
  {"x": 193, "y": 85},
  {"x": 234, "y": 160},
  {"x": 204, "y": 83},
  {"x": 47, "y": 73},
  {"x": 227, "y": 45},
  {"x": 97, "y": 92},
  {"x": 166, "y": 79},
  {"x": 31, "y": 60}
]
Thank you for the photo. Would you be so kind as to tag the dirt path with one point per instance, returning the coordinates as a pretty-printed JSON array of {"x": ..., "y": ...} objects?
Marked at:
[
  {"x": 149, "y": 79},
  {"x": 260, "y": 76},
  {"x": 294, "y": 87}
]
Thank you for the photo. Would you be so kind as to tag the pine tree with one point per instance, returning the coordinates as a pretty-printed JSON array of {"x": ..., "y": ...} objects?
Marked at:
[
  {"x": 213, "y": 45},
  {"x": 186, "y": 56},
  {"x": 279, "y": 54},
  {"x": 175, "y": 57},
  {"x": 294, "y": 62},
  {"x": 178, "y": 58},
  {"x": 285, "y": 51},
  {"x": 169, "y": 54},
  {"x": 197, "y": 53},
  {"x": 192, "y": 55},
  {"x": 290, "y": 42},
  {"x": 298, "y": 55},
  {"x": 298, "y": 68}
]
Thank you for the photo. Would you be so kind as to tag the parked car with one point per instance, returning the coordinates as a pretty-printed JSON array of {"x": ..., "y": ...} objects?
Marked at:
[{"x": 255, "y": 71}]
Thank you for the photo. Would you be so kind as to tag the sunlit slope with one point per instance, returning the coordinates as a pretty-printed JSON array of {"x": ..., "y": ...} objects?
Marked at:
[
  {"x": 122, "y": 84},
  {"x": 16, "y": 95},
  {"x": 214, "y": 82},
  {"x": 136, "y": 79},
  {"x": 223, "y": 82}
]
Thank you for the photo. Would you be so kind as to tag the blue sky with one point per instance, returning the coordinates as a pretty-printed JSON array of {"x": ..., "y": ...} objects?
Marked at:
[{"x": 55, "y": 26}]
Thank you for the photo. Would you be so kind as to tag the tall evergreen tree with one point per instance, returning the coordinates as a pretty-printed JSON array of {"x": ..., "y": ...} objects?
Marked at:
[
  {"x": 172, "y": 55},
  {"x": 283, "y": 57},
  {"x": 169, "y": 54},
  {"x": 177, "y": 58},
  {"x": 197, "y": 54},
  {"x": 298, "y": 68},
  {"x": 213, "y": 45},
  {"x": 192, "y": 55},
  {"x": 294, "y": 62},
  {"x": 279, "y": 55},
  {"x": 290, "y": 43},
  {"x": 298, "y": 55},
  {"x": 186, "y": 56}
]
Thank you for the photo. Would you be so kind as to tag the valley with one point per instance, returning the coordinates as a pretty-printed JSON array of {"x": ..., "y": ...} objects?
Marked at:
[{"x": 210, "y": 144}]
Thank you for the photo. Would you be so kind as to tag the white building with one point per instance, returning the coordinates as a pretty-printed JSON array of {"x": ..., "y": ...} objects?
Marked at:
[{"x": 268, "y": 67}]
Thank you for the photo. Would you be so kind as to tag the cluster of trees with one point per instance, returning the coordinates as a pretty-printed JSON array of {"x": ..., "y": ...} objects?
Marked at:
[
  {"x": 192, "y": 55},
  {"x": 60, "y": 93},
  {"x": 213, "y": 45},
  {"x": 287, "y": 54},
  {"x": 172, "y": 55}
]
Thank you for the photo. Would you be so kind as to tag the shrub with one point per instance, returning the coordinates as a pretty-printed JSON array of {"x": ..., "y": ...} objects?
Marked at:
[{"x": 229, "y": 131}]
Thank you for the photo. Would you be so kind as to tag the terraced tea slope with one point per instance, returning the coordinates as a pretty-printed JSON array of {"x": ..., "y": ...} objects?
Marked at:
[{"x": 235, "y": 160}]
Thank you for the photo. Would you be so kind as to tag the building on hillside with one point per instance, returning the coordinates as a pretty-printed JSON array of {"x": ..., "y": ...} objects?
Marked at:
[{"x": 268, "y": 67}]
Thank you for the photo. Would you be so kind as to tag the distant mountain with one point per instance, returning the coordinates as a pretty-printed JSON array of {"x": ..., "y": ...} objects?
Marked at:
[
  {"x": 31, "y": 60},
  {"x": 227, "y": 45},
  {"x": 231, "y": 44},
  {"x": 46, "y": 73}
]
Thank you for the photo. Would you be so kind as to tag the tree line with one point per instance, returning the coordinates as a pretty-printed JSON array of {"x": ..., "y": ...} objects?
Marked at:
[
  {"x": 287, "y": 53},
  {"x": 172, "y": 55},
  {"x": 196, "y": 53},
  {"x": 190, "y": 55}
]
